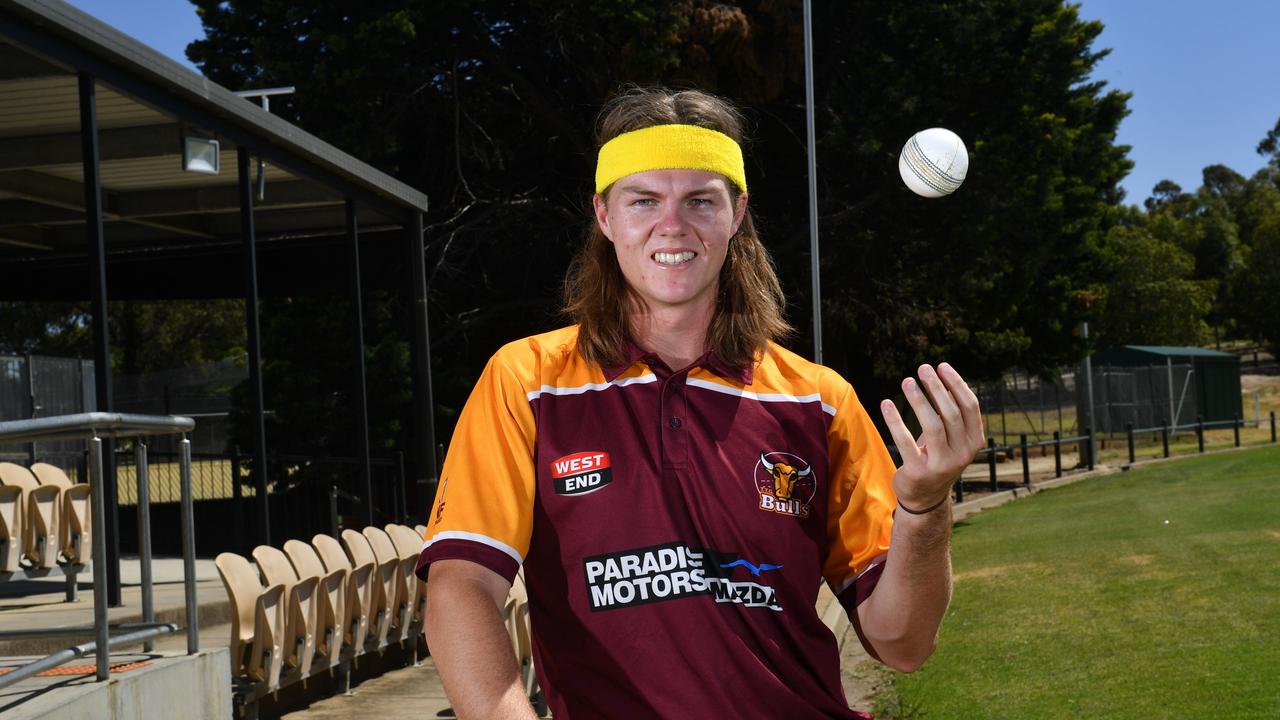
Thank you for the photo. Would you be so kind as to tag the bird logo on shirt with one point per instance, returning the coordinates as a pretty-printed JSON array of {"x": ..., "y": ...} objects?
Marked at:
[{"x": 753, "y": 569}]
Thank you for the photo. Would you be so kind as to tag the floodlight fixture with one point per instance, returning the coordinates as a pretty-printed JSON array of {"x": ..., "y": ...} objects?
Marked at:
[{"x": 200, "y": 155}]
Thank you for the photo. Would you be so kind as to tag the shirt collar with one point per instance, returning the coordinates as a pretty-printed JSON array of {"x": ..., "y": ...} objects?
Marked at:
[{"x": 711, "y": 361}]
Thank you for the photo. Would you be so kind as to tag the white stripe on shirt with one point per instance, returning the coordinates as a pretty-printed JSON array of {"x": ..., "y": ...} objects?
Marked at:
[{"x": 762, "y": 397}]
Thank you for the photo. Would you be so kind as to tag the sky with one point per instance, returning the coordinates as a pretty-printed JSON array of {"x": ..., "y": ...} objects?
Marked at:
[{"x": 1205, "y": 75}]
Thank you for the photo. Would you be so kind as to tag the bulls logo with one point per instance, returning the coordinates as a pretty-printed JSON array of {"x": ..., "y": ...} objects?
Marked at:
[{"x": 785, "y": 483}]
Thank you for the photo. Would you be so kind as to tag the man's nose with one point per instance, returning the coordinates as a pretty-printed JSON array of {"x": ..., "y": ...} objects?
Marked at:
[{"x": 672, "y": 222}]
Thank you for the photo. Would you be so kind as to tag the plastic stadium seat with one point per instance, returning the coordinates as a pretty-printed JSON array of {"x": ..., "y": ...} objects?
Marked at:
[
  {"x": 517, "y": 619},
  {"x": 257, "y": 625},
  {"x": 409, "y": 546},
  {"x": 381, "y": 585},
  {"x": 422, "y": 531},
  {"x": 359, "y": 589},
  {"x": 399, "y": 593},
  {"x": 10, "y": 529},
  {"x": 331, "y": 611},
  {"x": 300, "y": 606},
  {"x": 73, "y": 530},
  {"x": 40, "y": 514}
]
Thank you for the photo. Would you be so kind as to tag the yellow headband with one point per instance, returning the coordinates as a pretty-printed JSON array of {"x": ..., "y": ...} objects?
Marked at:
[{"x": 670, "y": 147}]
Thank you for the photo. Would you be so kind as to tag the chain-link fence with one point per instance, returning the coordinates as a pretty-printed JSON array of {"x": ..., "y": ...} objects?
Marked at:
[
  {"x": 1022, "y": 403},
  {"x": 1144, "y": 396}
]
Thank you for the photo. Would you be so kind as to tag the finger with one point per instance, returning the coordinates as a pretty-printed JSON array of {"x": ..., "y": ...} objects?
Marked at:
[
  {"x": 930, "y": 424},
  {"x": 898, "y": 431},
  {"x": 970, "y": 409},
  {"x": 952, "y": 421}
]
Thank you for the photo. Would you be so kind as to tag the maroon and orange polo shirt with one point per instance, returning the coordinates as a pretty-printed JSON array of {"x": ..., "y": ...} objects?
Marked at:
[{"x": 674, "y": 526}]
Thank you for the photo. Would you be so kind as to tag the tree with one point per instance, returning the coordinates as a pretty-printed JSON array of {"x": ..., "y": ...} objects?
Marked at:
[
  {"x": 1151, "y": 294},
  {"x": 486, "y": 105}
]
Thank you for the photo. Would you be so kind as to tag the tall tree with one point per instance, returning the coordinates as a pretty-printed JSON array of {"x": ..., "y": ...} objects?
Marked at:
[{"x": 487, "y": 105}]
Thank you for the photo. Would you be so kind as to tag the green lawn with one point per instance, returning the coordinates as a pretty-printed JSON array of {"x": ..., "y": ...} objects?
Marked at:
[{"x": 1148, "y": 594}]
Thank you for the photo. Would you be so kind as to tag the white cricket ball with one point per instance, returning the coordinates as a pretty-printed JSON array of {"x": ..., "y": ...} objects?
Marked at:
[{"x": 933, "y": 163}]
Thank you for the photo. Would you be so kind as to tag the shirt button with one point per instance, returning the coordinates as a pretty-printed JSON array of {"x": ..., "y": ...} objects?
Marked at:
[{"x": 675, "y": 423}]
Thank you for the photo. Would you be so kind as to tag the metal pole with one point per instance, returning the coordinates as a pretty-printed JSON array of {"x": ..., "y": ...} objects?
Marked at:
[
  {"x": 1273, "y": 426},
  {"x": 99, "y": 554},
  {"x": 362, "y": 398},
  {"x": 141, "y": 470},
  {"x": 1057, "y": 453},
  {"x": 811, "y": 145},
  {"x": 991, "y": 462},
  {"x": 1088, "y": 431},
  {"x": 1128, "y": 430},
  {"x": 1164, "y": 437},
  {"x": 1236, "y": 429},
  {"x": 1088, "y": 385},
  {"x": 102, "y": 649},
  {"x": 89, "y": 158},
  {"x": 255, "y": 348},
  {"x": 1200, "y": 432},
  {"x": 1026, "y": 461},
  {"x": 423, "y": 401},
  {"x": 188, "y": 547}
]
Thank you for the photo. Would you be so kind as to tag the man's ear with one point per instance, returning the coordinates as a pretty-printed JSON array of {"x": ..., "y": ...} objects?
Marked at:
[
  {"x": 602, "y": 215},
  {"x": 739, "y": 212}
]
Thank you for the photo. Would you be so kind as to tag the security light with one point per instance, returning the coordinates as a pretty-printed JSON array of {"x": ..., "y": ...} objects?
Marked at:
[{"x": 200, "y": 155}]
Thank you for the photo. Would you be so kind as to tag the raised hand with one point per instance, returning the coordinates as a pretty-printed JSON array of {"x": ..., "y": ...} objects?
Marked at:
[{"x": 951, "y": 432}]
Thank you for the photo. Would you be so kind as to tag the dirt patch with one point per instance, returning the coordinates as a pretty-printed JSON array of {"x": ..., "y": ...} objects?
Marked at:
[
  {"x": 1273, "y": 534},
  {"x": 993, "y": 571},
  {"x": 1138, "y": 560}
]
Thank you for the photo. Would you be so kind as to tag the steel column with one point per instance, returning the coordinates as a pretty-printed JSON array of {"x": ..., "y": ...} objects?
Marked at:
[
  {"x": 140, "y": 471},
  {"x": 89, "y": 158},
  {"x": 423, "y": 400},
  {"x": 263, "y": 520},
  {"x": 812, "y": 150},
  {"x": 361, "y": 383}
]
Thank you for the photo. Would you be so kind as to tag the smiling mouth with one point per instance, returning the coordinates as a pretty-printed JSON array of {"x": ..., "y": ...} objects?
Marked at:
[{"x": 677, "y": 258}]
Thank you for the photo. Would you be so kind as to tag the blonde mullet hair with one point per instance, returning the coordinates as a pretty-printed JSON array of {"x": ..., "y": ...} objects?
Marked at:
[{"x": 749, "y": 306}]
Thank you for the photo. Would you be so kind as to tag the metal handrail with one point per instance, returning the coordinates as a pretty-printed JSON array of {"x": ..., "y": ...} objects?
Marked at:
[{"x": 93, "y": 427}]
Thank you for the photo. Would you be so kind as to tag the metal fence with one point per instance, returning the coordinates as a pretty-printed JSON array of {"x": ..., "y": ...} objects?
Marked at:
[
  {"x": 1144, "y": 397},
  {"x": 1021, "y": 403}
]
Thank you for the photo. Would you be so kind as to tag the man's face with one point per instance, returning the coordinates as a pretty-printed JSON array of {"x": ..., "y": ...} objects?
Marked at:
[{"x": 670, "y": 230}]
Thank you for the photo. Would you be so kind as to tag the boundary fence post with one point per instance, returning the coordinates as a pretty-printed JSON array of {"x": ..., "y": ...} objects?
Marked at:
[
  {"x": 1057, "y": 454},
  {"x": 1128, "y": 431},
  {"x": 1235, "y": 429},
  {"x": 991, "y": 463},
  {"x": 1200, "y": 432},
  {"x": 1164, "y": 435},
  {"x": 1026, "y": 461},
  {"x": 1088, "y": 432}
]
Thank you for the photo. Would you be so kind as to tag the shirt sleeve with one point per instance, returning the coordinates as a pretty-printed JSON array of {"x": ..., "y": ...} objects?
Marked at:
[
  {"x": 860, "y": 509},
  {"x": 483, "y": 509}
]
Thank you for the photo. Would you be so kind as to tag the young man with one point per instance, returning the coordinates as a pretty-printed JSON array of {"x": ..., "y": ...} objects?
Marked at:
[{"x": 674, "y": 482}]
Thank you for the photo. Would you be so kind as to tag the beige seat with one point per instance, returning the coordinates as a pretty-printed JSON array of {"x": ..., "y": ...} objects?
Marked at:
[
  {"x": 422, "y": 530},
  {"x": 400, "y": 592},
  {"x": 358, "y": 592},
  {"x": 40, "y": 514},
  {"x": 381, "y": 591},
  {"x": 257, "y": 623},
  {"x": 331, "y": 611},
  {"x": 11, "y": 545},
  {"x": 73, "y": 530},
  {"x": 409, "y": 546},
  {"x": 300, "y": 606},
  {"x": 516, "y": 616}
]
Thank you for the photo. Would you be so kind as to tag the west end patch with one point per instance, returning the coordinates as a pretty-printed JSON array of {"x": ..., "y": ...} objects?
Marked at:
[{"x": 581, "y": 473}]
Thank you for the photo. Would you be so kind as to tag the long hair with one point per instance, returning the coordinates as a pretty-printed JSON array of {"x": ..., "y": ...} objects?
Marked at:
[{"x": 749, "y": 304}]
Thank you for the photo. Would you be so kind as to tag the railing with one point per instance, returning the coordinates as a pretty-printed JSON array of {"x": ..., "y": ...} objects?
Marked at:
[
  {"x": 992, "y": 451},
  {"x": 93, "y": 427}
]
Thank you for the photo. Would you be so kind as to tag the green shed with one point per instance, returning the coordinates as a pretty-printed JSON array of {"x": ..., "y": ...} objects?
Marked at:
[{"x": 1170, "y": 383}]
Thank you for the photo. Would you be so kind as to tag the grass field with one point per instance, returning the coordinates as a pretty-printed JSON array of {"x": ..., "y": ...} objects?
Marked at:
[{"x": 1148, "y": 594}]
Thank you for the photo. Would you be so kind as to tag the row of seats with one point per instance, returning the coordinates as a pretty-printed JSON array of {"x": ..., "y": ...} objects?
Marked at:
[
  {"x": 44, "y": 518},
  {"x": 313, "y": 606}
]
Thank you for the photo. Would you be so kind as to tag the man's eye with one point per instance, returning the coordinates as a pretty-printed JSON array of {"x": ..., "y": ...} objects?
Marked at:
[
  {"x": 644, "y": 202},
  {"x": 700, "y": 202}
]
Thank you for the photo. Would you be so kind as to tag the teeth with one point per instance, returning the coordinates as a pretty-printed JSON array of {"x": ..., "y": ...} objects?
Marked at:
[{"x": 672, "y": 258}]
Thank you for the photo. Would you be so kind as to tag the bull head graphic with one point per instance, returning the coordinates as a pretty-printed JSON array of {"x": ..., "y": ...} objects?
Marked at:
[{"x": 784, "y": 476}]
